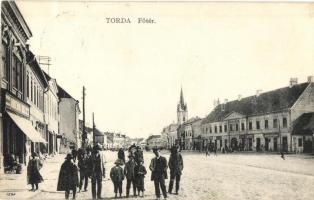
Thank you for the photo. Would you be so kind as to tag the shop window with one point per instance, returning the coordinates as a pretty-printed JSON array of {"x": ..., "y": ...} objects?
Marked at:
[{"x": 300, "y": 142}]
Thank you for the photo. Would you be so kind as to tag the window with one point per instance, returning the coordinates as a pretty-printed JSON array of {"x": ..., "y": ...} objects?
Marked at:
[
  {"x": 220, "y": 129},
  {"x": 275, "y": 123},
  {"x": 266, "y": 124},
  {"x": 27, "y": 85},
  {"x": 230, "y": 127},
  {"x": 215, "y": 129},
  {"x": 237, "y": 127},
  {"x": 5, "y": 61},
  {"x": 206, "y": 129},
  {"x": 14, "y": 71},
  {"x": 226, "y": 128},
  {"x": 183, "y": 119},
  {"x": 300, "y": 142},
  {"x": 242, "y": 126},
  {"x": 250, "y": 125},
  {"x": 19, "y": 77},
  {"x": 258, "y": 125},
  {"x": 32, "y": 89},
  {"x": 284, "y": 122},
  {"x": 210, "y": 129}
]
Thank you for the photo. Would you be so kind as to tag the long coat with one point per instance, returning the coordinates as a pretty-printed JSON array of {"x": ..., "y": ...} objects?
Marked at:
[
  {"x": 93, "y": 158},
  {"x": 176, "y": 164},
  {"x": 33, "y": 175},
  {"x": 68, "y": 177},
  {"x": 163, "y": 171}
]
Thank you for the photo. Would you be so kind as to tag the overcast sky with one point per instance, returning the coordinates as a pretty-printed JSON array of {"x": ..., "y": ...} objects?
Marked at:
[{"x": 133, "y": 72}]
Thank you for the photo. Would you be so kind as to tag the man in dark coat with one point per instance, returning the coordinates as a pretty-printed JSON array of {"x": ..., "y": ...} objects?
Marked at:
[
  {"x": 68, "y": 177},
  {"x": 176, "y": 167},
  {"x": 130, "y": 175},
  {"x": 33, "y": 175},
  {"x": 83, "y": 164},
  {"x": 158, "y": 166},
  {"x": 121, "y": 155},
  {"x": 98, "y": 171}
]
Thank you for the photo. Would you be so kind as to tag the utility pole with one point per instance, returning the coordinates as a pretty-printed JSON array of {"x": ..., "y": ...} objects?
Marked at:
[
  {"x": 84, "y": 131},
  {"x": 94, "y": 131}
]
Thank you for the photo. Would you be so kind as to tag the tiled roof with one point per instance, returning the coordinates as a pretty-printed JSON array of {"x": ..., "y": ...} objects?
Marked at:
[
  {"x": 304, "y": 125},
  {"x": 62, "y": 93},
  {"x": 267, "y": 102}
]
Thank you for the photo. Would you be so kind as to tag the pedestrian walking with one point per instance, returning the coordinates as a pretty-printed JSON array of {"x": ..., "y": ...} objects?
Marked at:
[
  {"x": 74, "y": 154},
  {"x": 140, "y": 172},
  {"x": 84, "y": 164},
  {"x": 282, "y": 155},
  {"x": 68, "y": 177},
  {"x": 176, "y": 167},
  {"x": 130, "y": 176},
  {"x": 121, "y": 155},
  {"x": 158, "y": 166},
  {"x": 117, "y": 176},
  {"x": 98, "y": 171},
  {"x": 207, "y": 151},
  {"x": 33, "y": 175}
]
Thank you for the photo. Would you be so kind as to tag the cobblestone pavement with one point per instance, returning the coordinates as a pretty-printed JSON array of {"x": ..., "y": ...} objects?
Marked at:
[{"x": 225, "y": 176}]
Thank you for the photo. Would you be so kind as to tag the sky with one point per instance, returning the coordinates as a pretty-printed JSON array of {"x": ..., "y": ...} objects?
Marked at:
[{"x": 133, "y": 72}]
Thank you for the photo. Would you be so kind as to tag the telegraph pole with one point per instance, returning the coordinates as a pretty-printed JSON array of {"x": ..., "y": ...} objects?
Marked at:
[
  {"x": 84, "y": 136},
  {"x": 94, "y": 131}
]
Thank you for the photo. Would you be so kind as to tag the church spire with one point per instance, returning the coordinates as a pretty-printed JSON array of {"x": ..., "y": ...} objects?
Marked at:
[{"x": 181, "y": 97}]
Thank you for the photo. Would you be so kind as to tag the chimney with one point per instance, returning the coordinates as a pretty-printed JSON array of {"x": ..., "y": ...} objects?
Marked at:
[
  {"x": 310, "y": 79},
  {"x": 258, "y": 92},
  {"x": 293, "y": 81},
  {"x": 239, "y": 97}
]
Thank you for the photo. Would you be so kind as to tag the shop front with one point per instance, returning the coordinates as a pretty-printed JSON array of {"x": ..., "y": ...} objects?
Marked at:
[{"x": 19, "y": 136}]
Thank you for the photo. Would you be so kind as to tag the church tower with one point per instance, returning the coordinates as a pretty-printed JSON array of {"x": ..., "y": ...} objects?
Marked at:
[{"x": 182, "y": 110}]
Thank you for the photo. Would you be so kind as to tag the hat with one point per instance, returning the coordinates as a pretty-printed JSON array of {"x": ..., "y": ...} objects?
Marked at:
[
  {"x": 155, "y": 149},
  {"x": 69, "y": 156},
  {"x": 118, "y": 162},
  {"x": 34, "y": 154}
]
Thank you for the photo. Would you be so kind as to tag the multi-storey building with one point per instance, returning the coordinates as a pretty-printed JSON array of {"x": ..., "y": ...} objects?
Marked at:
[
  {"x": 69, "y": 111},
  {"x": 52, "y": 115},
  {"x": 169, "y": 134},
  {"x": 36, "y": 84},
  {"x": 265, "y": 121},
  {"x": 16, "y": 129},
  {"x": 189, "y": 133}
]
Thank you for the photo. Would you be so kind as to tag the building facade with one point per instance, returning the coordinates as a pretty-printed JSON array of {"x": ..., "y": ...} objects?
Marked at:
[
  {"x": 189, "y": 133},
  {"x": 52, "y": 116},
  {"x": 263, "y": 122},
  {"x": 169, "y": 134},
  {"x": 16, "y": 129},
  {"x": 69, "y": 121}
]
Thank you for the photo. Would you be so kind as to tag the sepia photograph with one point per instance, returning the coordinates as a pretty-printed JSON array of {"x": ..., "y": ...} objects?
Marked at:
[{"x": 154, "y": 100}]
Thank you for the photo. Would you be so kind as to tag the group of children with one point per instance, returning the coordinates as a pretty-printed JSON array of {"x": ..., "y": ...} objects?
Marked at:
[{"x": 134, "y": 172}]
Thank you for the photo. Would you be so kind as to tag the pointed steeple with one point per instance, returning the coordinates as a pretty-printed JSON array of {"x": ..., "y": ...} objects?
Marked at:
[
  {"x": 182, "y": 105},
  {"x": 181, "y": 97}
]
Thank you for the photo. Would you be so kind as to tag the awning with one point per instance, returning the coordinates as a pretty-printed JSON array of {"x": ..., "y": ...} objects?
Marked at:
[{"x": 27, "y": 128}]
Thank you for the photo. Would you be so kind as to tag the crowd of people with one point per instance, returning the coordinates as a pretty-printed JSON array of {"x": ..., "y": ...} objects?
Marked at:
[{"x": 91, "y": 165}]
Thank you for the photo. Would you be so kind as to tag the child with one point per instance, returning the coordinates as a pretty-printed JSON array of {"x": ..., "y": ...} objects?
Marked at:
[
  {"x": 140, "y": 172},
  {"x": 117, "y": 176},
  {"x": 68, "y": 177}
]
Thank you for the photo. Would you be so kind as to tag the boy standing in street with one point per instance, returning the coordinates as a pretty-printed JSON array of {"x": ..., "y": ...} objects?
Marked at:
[
  {"x": 117, "y": 176},
  {"x": 130, "y": 175},
  {"x": 140, "y": 172}
]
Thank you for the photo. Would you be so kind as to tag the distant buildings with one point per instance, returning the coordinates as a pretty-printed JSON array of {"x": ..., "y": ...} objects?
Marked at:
[{"x": 154, "y": 141}]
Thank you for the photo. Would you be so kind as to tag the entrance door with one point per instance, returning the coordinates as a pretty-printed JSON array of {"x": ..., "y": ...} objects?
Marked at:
[
  {"x": 250, "y": 144},
  {"x": 234, "y": 144},
  {"x": 258, "y": 144},
  {"x": 285, "y": 144},
  {"x": 267, "y": 144},
  {"x": 275, "y": 144}
]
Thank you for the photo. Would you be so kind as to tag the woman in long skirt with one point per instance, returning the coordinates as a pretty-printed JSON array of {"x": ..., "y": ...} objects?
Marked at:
[{"x": 33, "y": 175}]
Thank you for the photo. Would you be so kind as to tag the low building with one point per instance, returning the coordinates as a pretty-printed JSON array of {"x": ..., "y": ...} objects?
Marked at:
[
  {"x": 101, "y": 138},
  {"x": 155, "y": 141},
  {"x": 170, "y": 135},
  {"x": 263, "y": 122}
]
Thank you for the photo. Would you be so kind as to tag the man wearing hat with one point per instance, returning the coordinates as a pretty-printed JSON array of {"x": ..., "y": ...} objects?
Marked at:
[
  {"x": 98, "y": 171},
  {"x": 158, "y": 166},
  {"x": 130, "y": 175},
  {"x": 176, "y": 167},
  {"x": 68, "y": 177}
]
